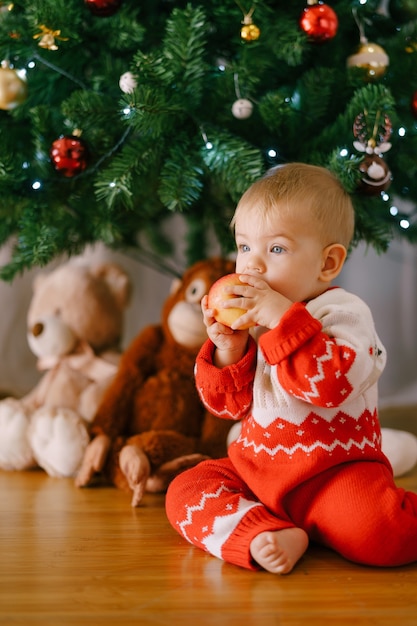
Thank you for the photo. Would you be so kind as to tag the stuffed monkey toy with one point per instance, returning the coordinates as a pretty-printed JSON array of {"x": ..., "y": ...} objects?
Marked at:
[{"x": 151, "y": 423}]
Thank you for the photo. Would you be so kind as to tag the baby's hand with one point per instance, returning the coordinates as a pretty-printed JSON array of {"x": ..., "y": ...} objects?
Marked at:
[
  {"x": 230, "y": 344},
  {"x": 264, "y": 306}
]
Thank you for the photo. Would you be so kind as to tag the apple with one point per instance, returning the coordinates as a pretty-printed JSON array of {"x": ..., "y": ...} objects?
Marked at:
[{"x": 217, "y": 295}]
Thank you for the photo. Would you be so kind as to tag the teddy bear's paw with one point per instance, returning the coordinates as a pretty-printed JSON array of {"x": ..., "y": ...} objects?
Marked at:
[
  {"x": 401, "y": 449},
  {"x": 59, "y": 439},
  {"x": 15, "y": 449}
]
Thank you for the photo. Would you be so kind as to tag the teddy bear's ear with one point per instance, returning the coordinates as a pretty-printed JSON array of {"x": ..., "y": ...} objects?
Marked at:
[
  {"x": 117, "y": 281},
  {"x": 38, "y": 280}
]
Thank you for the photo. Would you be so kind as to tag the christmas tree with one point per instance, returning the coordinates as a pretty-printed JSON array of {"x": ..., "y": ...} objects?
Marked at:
[{"x": 117, "y": 114}]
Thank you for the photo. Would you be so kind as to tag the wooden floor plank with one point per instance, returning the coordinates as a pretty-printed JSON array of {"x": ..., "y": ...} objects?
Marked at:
[{"x": 74, "y": 557}]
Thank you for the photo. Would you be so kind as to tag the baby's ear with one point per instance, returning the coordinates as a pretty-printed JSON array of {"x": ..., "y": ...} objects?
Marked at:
[{"x": 334, "y": 257}]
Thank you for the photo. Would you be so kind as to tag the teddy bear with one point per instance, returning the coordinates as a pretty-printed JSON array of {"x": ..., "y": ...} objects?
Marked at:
[
  {"x": 151, "y": 423},
  {"x": 74, "y": 327}
]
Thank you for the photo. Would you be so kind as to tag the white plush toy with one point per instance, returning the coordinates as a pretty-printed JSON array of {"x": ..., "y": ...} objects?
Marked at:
[
  {"x": 75, "y": 324},
  {"x": 399, "y": 446}
]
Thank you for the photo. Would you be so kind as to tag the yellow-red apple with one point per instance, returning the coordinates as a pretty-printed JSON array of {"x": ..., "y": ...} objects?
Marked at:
[{"x": 217, "y": 295}]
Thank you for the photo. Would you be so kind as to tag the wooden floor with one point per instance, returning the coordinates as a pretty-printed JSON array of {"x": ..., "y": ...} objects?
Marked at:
[{"x": 84, "y": 556}]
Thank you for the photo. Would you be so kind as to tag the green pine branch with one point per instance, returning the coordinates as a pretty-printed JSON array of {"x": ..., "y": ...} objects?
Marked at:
[{"x": 172, "y": 145}]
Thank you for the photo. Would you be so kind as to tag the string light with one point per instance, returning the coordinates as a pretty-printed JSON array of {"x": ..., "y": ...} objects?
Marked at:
[
  {"x": 221, "y": 65},
  {"x": 207, "y": 143}
]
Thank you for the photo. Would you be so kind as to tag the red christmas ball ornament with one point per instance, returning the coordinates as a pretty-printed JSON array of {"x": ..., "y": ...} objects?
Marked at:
[
  {"x": 69, "y": 155},
  {"x": 103, "y": 8},
  {"x": 414, "y": 104},
  {"x": 319, "y": 22}
]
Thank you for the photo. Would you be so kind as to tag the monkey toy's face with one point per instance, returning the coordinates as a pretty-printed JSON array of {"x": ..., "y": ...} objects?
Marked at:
[{"x": 183, "y": 314}]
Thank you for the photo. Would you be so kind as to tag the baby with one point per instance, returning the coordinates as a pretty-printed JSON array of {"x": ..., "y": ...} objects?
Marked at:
[{"x": 307, "y": 464}]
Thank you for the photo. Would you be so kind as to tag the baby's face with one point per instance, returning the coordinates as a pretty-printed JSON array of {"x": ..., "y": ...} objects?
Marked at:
[{"x": 285, "y": 251}]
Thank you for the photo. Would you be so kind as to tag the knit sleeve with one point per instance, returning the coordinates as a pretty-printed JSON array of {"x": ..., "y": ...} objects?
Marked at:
[
  {"x": 326, "y": 352},
  {"x": 225, "y": 392}
]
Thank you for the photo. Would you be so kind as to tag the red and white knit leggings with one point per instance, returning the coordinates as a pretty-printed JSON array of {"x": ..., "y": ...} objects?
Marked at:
[{"x": 356, "y": 509}]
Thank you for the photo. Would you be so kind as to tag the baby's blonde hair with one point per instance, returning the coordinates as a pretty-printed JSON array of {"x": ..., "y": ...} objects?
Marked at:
[{"x": 304, "y": 190}]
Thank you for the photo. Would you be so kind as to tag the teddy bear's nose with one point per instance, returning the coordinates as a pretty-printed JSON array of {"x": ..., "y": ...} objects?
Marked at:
[{"x": 37, "y": 329}]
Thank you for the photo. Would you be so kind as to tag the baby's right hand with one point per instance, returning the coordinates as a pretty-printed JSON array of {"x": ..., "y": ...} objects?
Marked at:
[{"x": 231, "y": 344}]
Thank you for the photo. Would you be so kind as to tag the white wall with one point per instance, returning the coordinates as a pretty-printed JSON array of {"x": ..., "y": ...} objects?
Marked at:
[{"x": 388, "y": 283}]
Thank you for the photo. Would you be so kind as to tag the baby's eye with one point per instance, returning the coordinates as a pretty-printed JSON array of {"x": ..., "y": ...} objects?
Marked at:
[
  {"x": 277, "y": 249},
  {"x": 243, "y": 247}
]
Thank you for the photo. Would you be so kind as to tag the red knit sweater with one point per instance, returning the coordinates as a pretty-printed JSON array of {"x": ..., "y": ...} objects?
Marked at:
[{"x": 306, "y": 392}]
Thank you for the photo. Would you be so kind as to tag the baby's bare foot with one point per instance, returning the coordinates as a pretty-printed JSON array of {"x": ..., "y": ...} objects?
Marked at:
[
  {"x": 136, "y": 467},
  {"x": 278, "y": 551}
]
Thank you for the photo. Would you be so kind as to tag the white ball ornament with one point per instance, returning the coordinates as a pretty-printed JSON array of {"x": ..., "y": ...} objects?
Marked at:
[
  {"x": 128, "y": 82},
  {"x": 242, "y": 109}
]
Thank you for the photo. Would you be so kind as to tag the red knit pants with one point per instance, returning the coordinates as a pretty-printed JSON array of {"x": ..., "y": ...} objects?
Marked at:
[{"x": 356, "y": 509}]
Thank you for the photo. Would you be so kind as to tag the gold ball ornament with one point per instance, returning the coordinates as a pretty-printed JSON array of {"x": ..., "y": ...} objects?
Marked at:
[
  {"x": 13, "y": 87},
  {"x": 6, "y": 6},
  {"x": 250, "y": 32},
  {"x": 371, "y": 59}
]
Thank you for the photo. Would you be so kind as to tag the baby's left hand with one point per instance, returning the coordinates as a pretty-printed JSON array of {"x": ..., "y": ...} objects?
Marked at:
[{"x": 264, "y": 306}]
